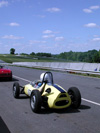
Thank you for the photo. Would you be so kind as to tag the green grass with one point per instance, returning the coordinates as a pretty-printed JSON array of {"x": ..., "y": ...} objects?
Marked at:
[
  {"x": 13, "y": 58},
  {"x": 87, "y": 75}
]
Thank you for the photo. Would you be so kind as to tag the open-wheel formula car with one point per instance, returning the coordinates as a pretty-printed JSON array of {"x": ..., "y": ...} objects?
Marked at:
[{"x": 45, "y": 93}]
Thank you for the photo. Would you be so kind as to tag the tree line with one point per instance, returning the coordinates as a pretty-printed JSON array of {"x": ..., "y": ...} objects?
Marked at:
[
  {"x": 91, "y": 56},
  {"x": 12, "y": 51}
]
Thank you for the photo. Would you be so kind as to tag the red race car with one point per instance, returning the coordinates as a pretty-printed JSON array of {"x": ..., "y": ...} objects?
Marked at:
[{"x": 5, "y": 73}]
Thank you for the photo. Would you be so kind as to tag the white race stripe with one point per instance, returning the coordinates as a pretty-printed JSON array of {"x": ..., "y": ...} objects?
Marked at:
[{"x": 82, "y": 98}]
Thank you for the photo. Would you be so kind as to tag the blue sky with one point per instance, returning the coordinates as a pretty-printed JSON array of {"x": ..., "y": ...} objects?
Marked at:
[{"x": 51, "y": 26}]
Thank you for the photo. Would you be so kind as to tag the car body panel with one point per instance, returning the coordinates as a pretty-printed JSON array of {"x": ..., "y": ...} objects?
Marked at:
[
  {"x": 29, "y": 88},
  {"x": 5, "y": 73},
  {"x": 58, "y": 98}
]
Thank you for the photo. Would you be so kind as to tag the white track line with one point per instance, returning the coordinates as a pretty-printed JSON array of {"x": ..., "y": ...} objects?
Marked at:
[
  {"x": 21, "y": 78},
  {"x": 91, "y": 102},
  {"x": 82, "y": 98}
]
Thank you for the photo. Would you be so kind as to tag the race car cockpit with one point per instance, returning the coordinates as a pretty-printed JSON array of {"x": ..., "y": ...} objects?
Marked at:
[{"x": 45, "y": 78}]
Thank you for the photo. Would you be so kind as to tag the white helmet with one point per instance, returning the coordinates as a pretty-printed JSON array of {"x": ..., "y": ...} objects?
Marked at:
[
  {"x": 41, "y": 76},
  {"x": 46, "y": 78}
]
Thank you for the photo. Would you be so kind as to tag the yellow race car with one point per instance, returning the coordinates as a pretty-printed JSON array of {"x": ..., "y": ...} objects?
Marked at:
[{"x": 44, "y": 93}]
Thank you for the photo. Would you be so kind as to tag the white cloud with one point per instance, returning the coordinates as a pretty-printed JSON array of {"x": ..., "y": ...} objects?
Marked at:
[
  {"x": 96, "y": 39},
  {"x": 14, "y": 24},
  {"x": 91, "y": 25},
  {"x": 3, "y": 3},
  {"x": 50, "y": 31},
  {"x": 47, "y": 31},
  {"x": 94, "y": 7},
  {"x": 59, "y": 38},
  {"x": 48, "y": 36},
  {"x": 87, "y": 10},
  {"x": 53, "y": 9},
  {"x": 12, "y": 37},
  {"x": 91, "y": 8}
]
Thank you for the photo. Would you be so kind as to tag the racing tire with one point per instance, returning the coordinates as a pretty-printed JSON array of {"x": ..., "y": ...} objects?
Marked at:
[
  {"x": 16, "y": 90},
  {"x": 35, "y": 101},
  {"x": 75, "y": 95}
]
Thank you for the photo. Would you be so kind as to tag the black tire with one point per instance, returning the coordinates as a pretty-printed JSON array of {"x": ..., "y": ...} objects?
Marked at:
[
  {"x": 35, "y": 101},
  {"x": 75, "y": 97},
  {"x": 16, "y": 90}
]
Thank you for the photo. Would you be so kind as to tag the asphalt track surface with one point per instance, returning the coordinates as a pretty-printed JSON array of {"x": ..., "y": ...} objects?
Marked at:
[
  {"x": 2, "y": 61},
  {"x": 16, "y": 115}
]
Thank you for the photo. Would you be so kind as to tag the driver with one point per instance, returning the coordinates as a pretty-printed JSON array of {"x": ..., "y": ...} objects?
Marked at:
[
  {"x": 46, "y": 78},
  {"x": 41, "y": 76},
  {"x": 40, "y": 84},
  {"x": 42, "y": 81}
]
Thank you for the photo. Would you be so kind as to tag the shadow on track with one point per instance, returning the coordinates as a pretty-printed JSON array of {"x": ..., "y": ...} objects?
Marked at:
[
  {"x": 23, "y": 97},
  {"x": 83, "y": 107},
  {"x": 7, "y": 80},
  {"x": 63, "y": 111},
  {"x": 3, "y": 127}
]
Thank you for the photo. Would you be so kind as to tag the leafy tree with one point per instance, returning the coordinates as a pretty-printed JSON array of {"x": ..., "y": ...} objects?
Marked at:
[
  {"x": 24, "y": 54},
  {"x": 44, "y": 54},
  {"x": 12, "y": 51},
  {"x": 97, "y": 57},
  {"x": 32, "y": 53},
  {"x": 89, "y": 56}
]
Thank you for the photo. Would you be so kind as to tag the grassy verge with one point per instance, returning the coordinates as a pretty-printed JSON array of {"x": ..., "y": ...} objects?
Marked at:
[
  {"x": 87, "y": 75},
  {"x": 14, "y": 58}
]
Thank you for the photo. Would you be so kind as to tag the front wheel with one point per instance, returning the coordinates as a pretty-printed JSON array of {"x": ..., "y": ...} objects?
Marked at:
[
  {"x": 16, "y": 90},
  {"x": 35, "y": 101},
  {"x": 75, "y": 97}
]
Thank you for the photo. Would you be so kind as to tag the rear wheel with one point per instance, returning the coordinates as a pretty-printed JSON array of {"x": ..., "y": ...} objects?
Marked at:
[
  {"x": 35, "y": 101},
  {"x": 16, "y": 90},
  {"x": 75, "y": 97}
]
